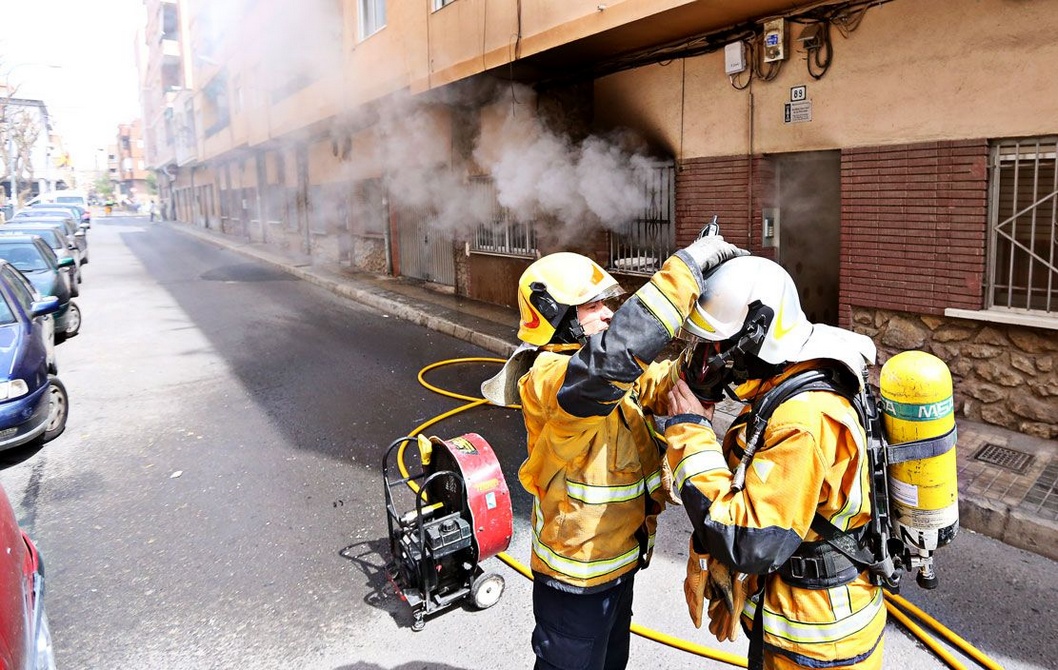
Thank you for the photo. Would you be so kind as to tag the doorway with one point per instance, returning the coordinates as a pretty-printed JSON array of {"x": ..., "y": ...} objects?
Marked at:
[{"x": 805, "y": 228}]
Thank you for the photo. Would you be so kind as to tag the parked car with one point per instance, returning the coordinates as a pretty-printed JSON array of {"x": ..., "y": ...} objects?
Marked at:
[
  {"x": 76, "y": 234},
  {"x": 38, "y": 263},
  {"x": 55, "y": 238},
  {"x": 25, "y": 638},
  {"x": 79, "y": 213},
  {"x": 33, "y": 402}
]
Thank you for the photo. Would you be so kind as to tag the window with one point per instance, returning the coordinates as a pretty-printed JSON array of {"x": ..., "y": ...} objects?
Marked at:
[
  {"x": 501, "y": 234},
  {"x": 644, "y": 243},
  {"x": 25, "y": 257},
  {"x": 170, "y": 22},
  {"x": 1023, "y": 235},
  {"x": 6, "y": 315},
  {"x": 21, "y": 288},
  {"x": 215, "y": 104},
  {"x": 189, "y": 123},
  {"x": 372, "y": 17}
]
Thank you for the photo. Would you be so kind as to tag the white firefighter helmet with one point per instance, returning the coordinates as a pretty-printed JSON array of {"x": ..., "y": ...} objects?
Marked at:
[
  {"x": 752, "y": 290},
  {"x": 554, "y": 284}
]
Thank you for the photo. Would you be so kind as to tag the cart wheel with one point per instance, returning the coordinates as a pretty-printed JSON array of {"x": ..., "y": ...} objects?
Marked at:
[
  {"x": 486, "y": 590},
  {"x": 418, "y": 624}
]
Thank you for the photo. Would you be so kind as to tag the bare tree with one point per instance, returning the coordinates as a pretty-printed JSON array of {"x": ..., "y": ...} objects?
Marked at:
[{"x": 19, "y": 132}]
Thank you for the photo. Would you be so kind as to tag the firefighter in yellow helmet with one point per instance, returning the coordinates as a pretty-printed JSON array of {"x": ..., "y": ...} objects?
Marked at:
[
  {"x": 762, "y": 504},
  {"x": 584, "y": 378}
]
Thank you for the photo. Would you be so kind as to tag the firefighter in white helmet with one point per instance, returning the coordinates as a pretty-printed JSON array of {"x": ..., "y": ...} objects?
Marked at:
[
  {"x": 760, "y": 507},
  {"x": 584, "y": 378}
]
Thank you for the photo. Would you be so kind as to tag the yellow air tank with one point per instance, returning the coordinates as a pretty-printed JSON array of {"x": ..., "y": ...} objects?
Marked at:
[{"x": 919, "y": 422}]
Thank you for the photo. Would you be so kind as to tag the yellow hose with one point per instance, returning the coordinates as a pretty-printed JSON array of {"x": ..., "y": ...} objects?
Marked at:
[
  {"x": 940, "y": 651},
  {"x": 947, "y": 633},
  {"x": 663, "y": 638}
]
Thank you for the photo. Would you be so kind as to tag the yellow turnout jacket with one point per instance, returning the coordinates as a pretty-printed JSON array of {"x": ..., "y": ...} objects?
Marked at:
[
  {"x": 812, "y": 460},
  {"x": 593, "y": 467}
]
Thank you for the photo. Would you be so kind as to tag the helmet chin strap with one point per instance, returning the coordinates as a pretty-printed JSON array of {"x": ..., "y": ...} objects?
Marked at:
[
  {"x": 730, "y": 362},
  {"x": 569, "y": 330}
]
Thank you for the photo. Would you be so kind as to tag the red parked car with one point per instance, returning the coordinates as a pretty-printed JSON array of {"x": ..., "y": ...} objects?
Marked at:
[{"x": 25, "y": 641}]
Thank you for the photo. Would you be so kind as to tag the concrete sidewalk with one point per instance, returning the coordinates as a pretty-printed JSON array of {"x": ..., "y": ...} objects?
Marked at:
[{"x": 1008, "y": 482}]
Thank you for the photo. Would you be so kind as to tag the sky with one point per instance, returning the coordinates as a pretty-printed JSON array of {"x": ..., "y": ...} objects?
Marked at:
[{"x": 95, "y": 84}]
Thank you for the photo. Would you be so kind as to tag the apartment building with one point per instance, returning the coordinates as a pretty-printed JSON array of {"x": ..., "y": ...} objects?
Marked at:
[
  {"x": 166, "y": 93},
  {"x": 897, "y": 157},
  {"x": 130, "y": 172}
]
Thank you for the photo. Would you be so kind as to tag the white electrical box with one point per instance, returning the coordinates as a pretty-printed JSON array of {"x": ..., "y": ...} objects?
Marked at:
[
  {"x": 774, "y": 40},
  {"x": 734, "y": 58}
]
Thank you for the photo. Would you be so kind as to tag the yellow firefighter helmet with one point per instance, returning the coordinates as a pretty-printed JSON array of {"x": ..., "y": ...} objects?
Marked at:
[{"x": 554, "y": 284}]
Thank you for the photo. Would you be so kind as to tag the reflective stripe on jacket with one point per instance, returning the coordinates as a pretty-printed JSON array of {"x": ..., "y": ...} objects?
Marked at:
[
  {"x": 813, "y": 459},
  {"x": 593, "y": 467}
]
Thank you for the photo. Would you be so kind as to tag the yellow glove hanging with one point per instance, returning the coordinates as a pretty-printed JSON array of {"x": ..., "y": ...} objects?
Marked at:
[{"x": 696, "y": 585}]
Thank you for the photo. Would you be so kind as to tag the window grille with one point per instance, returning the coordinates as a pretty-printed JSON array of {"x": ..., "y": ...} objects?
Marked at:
[
  {"x": 501, "y": 234},
  {"x": 372, "y": 17},
  {"x": 1023, "y": 236},
  {"x": 647, "y": 240}
]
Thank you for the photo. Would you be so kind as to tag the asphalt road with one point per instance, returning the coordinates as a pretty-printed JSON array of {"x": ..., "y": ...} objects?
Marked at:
[{"x": 216, "y": 500}]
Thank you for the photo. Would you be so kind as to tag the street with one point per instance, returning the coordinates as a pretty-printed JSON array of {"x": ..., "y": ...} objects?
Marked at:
[{"x": 216, "y": 500}]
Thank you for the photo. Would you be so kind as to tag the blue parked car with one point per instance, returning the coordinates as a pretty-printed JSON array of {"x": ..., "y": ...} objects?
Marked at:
[{"x": 33, "y": 402}]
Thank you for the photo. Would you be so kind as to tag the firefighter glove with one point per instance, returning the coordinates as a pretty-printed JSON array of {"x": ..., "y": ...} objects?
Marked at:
[
  {"x": 710, "y": 251},
  {"x": 696, "y": 584},
  {"x": 730, "y": 590}
]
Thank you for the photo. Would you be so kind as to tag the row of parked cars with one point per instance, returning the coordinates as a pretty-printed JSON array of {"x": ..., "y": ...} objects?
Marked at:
[{"x": 42, "y": 251}]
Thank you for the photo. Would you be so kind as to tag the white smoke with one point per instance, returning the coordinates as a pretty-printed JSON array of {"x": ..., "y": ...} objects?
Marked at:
[
  {"x": 541, "y": 174},
  {"x": 537, "y": 172}
]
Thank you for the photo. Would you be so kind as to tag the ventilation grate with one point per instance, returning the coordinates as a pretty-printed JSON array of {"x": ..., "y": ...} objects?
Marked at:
[{"x": 1008, "y": 459}]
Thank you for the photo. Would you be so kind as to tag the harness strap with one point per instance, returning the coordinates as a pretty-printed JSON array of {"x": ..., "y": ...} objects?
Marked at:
[
  {"x": 922, "y": 449},
  {"x": 756, "y": 636},
  {"x": 820, "y": 565}
]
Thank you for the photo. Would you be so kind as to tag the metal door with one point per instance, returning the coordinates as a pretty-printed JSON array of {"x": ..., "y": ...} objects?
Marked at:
[{"x": 425, "y": 252}]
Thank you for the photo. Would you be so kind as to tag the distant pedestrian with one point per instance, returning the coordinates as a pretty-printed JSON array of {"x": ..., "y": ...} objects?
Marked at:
[{"x": 154, "y": 210}]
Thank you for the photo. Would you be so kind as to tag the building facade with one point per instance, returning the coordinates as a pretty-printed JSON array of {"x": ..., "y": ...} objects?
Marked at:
[
  {"x": 898, "y": 162},
  {"x": 129, "y": 173}
]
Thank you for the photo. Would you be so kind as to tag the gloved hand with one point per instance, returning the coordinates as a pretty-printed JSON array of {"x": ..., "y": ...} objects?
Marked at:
[
  {"x": 668, "y": 484},
  {"x": 711, "y": 250},
  {"x": 730, "y": 590},
  {"x": 696, "y": 584}
]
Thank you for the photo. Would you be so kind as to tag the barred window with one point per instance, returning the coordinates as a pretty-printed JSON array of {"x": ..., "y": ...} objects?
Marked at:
[
  {"x": 1022, "y": 269},
  {"x": 501, "y": 234},
  {"x": 647, "y": 240}
]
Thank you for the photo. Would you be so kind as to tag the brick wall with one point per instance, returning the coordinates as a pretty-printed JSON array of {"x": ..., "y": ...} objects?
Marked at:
[
  {"x": 707, "y": 186},
  {"x": 914, "y": 220}
]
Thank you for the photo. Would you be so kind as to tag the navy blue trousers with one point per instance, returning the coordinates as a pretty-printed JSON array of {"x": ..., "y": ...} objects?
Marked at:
[{"x": 582, "y": 631}]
